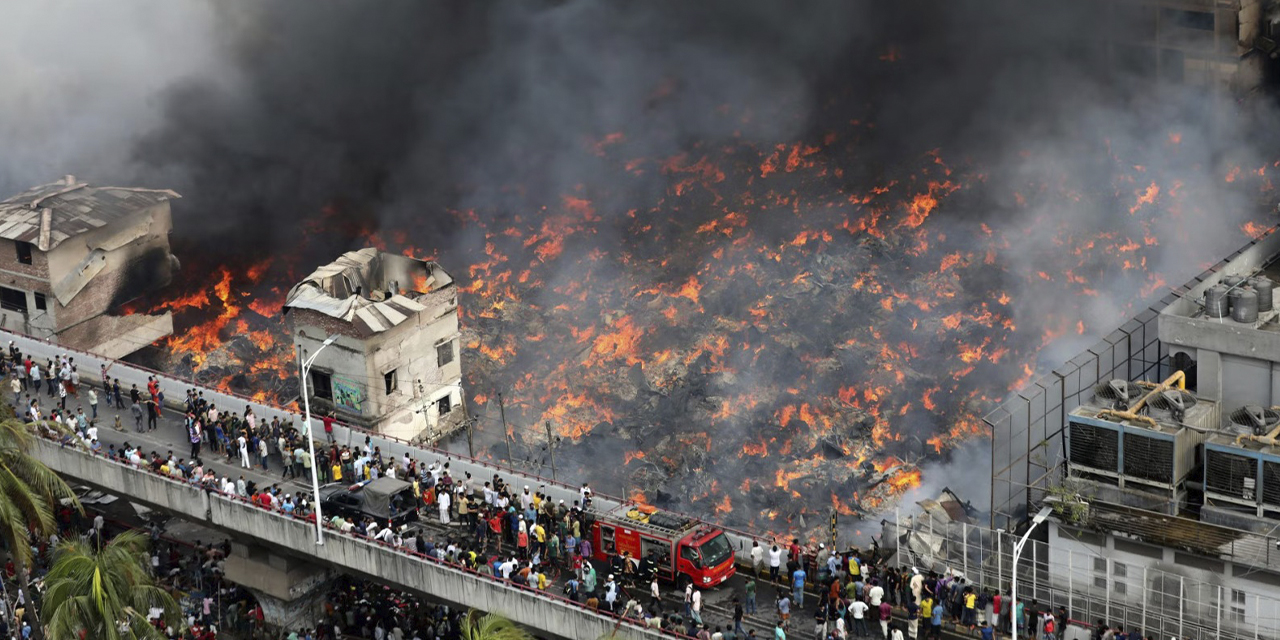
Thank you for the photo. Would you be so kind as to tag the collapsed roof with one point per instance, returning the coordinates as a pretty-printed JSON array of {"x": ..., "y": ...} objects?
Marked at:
[
  {"x": 49, "y": 214},
  {"x": 373, "y": 291}
]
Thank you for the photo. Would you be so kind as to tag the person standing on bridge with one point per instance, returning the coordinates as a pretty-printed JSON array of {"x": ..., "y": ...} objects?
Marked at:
[
  {"x": 193, "y": 434},
  {"x": 117, "y": 394},
  {"x": 263, "y": 453},
  {"x": 775, "y": 563},
  {"x": 243, "y": 444},
  {"x": 442, "y": 501},
  {"x": 15, "y": 385},
  {"x": 797, "y": 586},
  {"x": 136, "y": 410},
  {"x": 153, "y": 411}
]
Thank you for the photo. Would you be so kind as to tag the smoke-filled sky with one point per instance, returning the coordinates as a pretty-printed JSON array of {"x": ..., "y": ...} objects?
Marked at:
[{"x": 261, "y": 113}]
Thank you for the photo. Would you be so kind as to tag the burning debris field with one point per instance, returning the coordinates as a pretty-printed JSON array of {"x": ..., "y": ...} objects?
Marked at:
[
  {"x": 758, "y": 344},
  {"x": 755, "y": 269}
]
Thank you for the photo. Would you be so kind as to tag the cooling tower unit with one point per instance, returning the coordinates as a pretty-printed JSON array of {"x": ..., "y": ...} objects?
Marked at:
[
  {"x": 1242, "y": 462},
  {"x": 1140, "y": 460}
]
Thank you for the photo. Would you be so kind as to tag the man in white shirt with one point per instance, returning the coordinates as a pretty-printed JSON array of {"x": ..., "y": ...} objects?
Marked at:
[
  {"x": 506, "y": 568},
  {"x": 875, "y": 595},
  {"x": 757, "y": 557},
  {"x": 443, "y": 501},
  {"x": 775, "y": 562},
  {"x": 244, "y": 451},
  {"x": 859, "y": 609}
]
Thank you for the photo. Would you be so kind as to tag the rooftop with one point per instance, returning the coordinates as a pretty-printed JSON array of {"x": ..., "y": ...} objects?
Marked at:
[
  {"x": 49, "y": 214},
  {"x": 1185, "y": 534},
  {"x": 374, "y": 291}
]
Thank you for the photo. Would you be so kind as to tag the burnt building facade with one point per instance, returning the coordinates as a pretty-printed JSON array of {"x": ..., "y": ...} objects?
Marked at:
[
  {"x": 70, "y": 252},
  {"x": 1220, "y": 44},
  {"x": 394, "y": 364}
]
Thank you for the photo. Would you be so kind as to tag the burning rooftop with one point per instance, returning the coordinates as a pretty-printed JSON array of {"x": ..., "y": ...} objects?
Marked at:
[{"x": 373, "y": 291}]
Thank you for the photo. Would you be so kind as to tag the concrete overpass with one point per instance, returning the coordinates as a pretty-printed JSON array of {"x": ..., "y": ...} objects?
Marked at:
[
  {"x": 276, "y": 542},
  {"x": 175, "y": 392},
  {"x": 281, "y": 568}
]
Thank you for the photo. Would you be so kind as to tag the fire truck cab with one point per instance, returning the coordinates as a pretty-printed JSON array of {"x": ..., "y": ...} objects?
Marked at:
[{"x": 684, "y": 549}]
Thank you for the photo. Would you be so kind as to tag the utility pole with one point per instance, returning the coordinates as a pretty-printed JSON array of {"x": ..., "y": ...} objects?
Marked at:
[
  {"x": 833, "y": 530},
  {"x": 506, "y": 435},
  {"x": 471, "y": 434},
  {"x": 469, "y": 421},
  {"x": 551, "y": 447}
]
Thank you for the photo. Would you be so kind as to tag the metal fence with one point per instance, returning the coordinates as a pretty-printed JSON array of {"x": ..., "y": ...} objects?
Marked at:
[
  {"x": 1091, "y": 585},
  {"x": 1027, "y": 429}
]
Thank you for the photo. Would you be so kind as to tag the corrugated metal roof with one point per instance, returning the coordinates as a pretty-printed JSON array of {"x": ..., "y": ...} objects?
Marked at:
[
  {"x": 331, "y": 289},
  {"x": 49, "y": 214},
  {"x": 1186, "y": 534}
]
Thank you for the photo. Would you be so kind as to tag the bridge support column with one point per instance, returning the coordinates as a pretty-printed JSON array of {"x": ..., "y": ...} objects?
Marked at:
[{"x": 289, "y": 589}]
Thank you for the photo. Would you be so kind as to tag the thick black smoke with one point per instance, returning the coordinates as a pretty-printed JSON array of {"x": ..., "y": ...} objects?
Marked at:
[{"x": 258, "y": 111}]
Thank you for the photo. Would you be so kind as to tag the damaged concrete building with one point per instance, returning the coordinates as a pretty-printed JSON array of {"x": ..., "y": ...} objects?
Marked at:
[
  {"x": 1215, "y": 44},
  {"x": 394, "y": 365},
  {"x": 73, "y": 252}
]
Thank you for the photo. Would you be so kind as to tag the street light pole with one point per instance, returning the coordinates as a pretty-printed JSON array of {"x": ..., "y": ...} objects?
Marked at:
[
  {"x": 304, "y": 368},
  {"x": 1017, "y": 551}
]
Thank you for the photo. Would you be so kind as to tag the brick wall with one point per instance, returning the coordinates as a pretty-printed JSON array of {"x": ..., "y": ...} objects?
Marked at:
[
  {"x": 146, "y": 268},
  {"x": 28, "y": 277}
]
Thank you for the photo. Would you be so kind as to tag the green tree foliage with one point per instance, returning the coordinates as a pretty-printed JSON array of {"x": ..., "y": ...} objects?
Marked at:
[
  {"x": 478, "y": 625},
  {"x": 104, "y": 592}
]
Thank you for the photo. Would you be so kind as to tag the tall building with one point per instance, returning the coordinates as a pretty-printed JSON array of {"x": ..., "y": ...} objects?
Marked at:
[
  {"x": 394, "y": 364},
  {"x": 1157, "y": 449},
  {"x": 1211, "y": 43}
]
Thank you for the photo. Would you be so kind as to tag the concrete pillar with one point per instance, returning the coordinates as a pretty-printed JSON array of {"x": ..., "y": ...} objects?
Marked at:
[
  {"x": 1209, "y": 376},
  {"x": 289, "y": 589}
]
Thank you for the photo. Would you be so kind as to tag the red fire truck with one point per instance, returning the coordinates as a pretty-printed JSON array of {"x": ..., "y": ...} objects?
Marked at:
[{"x": 684, "y": 549}]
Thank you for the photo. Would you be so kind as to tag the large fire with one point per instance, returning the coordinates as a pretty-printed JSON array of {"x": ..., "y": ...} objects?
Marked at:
[{"x": 770, "y": 319}]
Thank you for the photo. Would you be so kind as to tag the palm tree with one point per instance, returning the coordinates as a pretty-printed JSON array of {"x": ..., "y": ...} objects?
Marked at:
[
  {"x": 28, "y": 491},
  {"x": 104, "y": 592},
  {"x": 478, "y": 625}
]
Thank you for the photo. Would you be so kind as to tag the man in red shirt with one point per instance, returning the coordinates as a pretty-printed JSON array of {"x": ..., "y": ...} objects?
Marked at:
[
  {"x": 328, "y": 426},
  {"x": 995, "y": 610}
]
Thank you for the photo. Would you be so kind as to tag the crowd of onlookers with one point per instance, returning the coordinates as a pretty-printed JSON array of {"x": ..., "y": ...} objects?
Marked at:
[{"x": 520, "y": 535}]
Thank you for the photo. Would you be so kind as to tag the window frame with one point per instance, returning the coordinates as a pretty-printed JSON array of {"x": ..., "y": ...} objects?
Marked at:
[
  {"x": 317, "y": 388},
  {"x": 452, "y": 355},
  {"x": 11, "y": 305}
]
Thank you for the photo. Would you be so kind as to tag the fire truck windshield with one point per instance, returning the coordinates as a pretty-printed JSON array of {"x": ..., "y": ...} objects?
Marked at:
[{"x": 715, "y": 550}]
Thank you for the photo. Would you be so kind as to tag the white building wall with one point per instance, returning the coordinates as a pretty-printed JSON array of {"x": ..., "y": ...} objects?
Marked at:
[
  {"x": 411, "y": 407},
  {"x": 1131, "y": 588}
]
